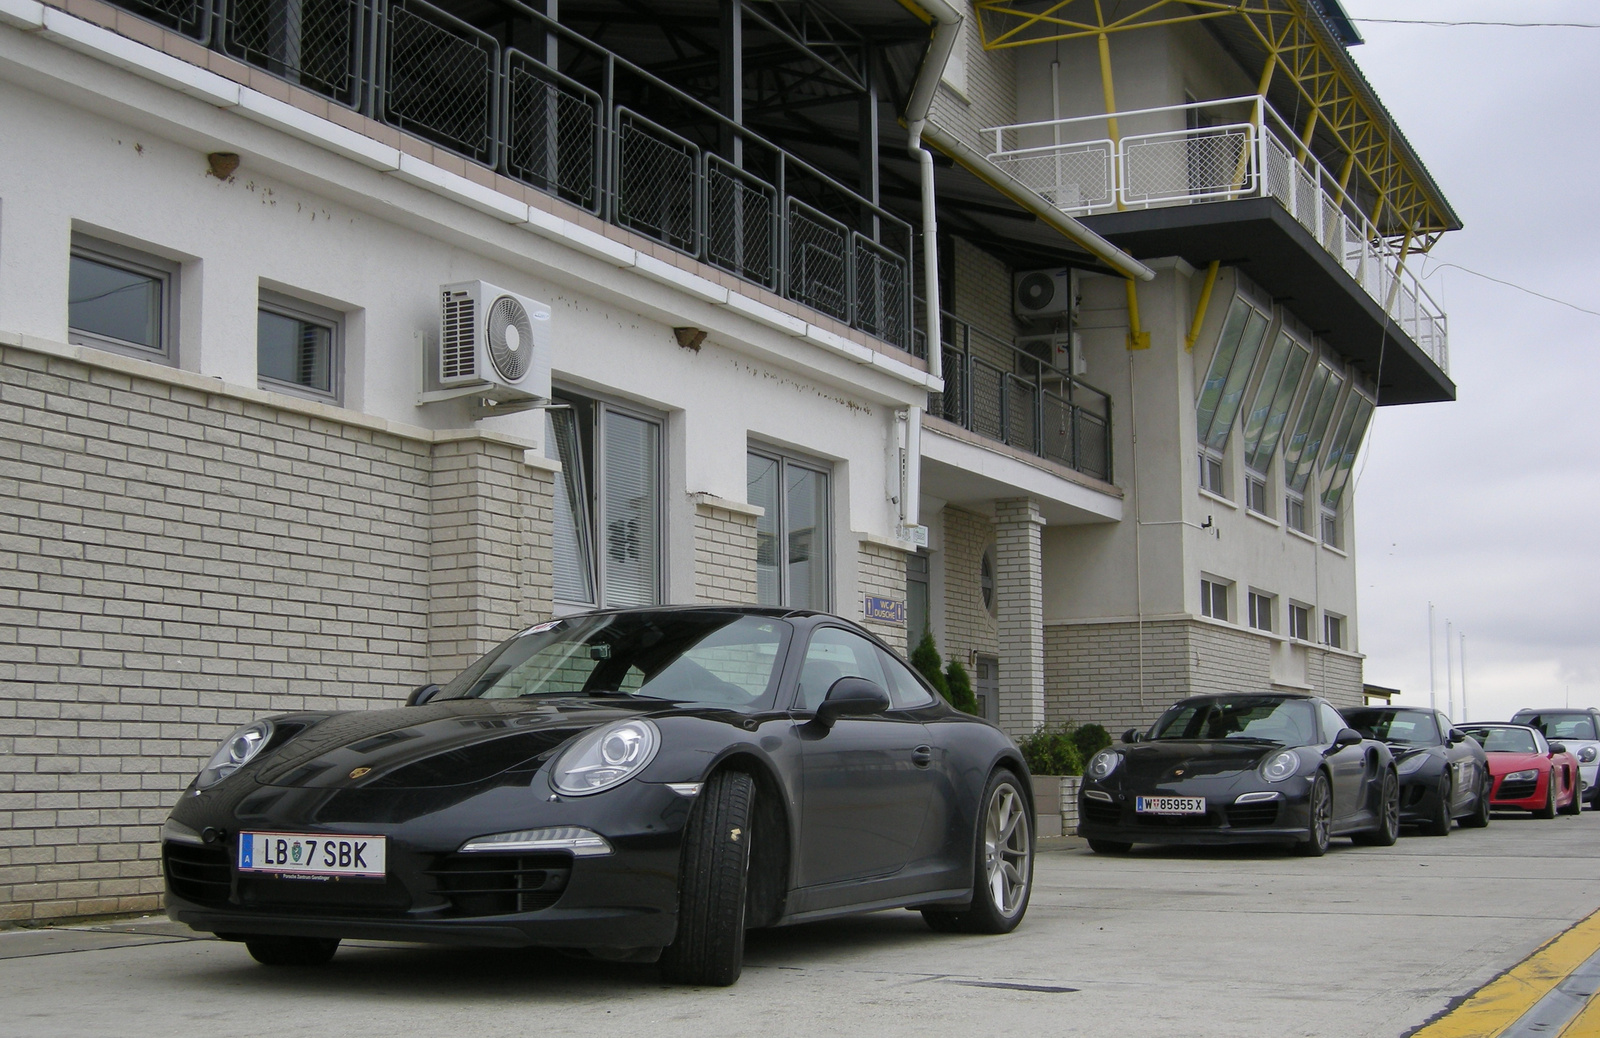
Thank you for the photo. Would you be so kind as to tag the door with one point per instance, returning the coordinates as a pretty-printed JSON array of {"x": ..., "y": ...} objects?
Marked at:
[
  {"x": 866, "y": 781},
  {"x": 1349, "y": 769},
  {"x": 986, "y": 687}
]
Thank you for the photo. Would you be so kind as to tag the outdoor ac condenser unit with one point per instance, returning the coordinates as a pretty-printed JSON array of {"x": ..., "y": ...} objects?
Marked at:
[
  {"x": 1044, "y": 293},
  {"x": 490, "y": 336}
]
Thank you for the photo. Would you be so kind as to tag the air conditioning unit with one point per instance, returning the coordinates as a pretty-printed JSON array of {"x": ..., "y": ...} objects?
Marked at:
[
  {"x": 488, "y": 336},
  {"x": 1044, "y": 293},
  {"x": 1062, "y": 350}
]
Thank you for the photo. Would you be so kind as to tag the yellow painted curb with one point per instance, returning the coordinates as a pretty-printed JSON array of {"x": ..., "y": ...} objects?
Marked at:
[
  {"x": 1586, "y": 1024},
  {"x": 1500, "y": 1003}
]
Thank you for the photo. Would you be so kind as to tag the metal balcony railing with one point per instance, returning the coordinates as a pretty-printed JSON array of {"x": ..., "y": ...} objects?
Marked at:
[
  {"x": 1234, "y": 148},
  {"x": 622, "y": 144},
  {"x": 999, "y": 390}
]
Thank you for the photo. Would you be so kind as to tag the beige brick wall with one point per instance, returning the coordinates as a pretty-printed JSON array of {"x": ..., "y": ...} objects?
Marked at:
[
  {"x": 881, "y": 571},
  {"x": 968, "y": 627},
  {"x": 981, "y": 296},
  {"x": 1092, "y": 670},
  {"x": 1020, "y": 606},
  {"x": 990, "y": 98},
  {"x": 725, "y": 552},
  {"x": 176, "y": 559}
]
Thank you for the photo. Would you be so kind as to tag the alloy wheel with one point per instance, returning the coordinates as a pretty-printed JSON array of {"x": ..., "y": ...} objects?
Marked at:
[{"x": 1006, "y": 849}]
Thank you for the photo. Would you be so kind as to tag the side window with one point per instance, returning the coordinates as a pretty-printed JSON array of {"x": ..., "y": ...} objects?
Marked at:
[
  {"x": 834, "y": 654},
  {"x": 1331, "y": 721},
  {"x": 905, "y": 691},
  {"x": 121, "y": 299},
  {"x": 299, "y": 347}
]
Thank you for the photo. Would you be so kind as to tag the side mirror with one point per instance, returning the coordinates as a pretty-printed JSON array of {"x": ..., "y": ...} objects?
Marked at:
[
  {"x": 851, "y": 697},
  {"x": 1346, "y": 737},
  {"x": 422, "y": 693},
  {"x": 1131, "y": 735},
  {"x": 1455, "y": 738},
  {"x": 1557, "y": 747}
]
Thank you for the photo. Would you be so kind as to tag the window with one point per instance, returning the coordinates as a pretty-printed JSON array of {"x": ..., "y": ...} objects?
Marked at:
[
  {"x": 1333, "y": 630},
  {"x": 1310, "y": 427},
  {"x": 1263, "y": 422},
  {"x": 1220, "y": 394},
  {"x": 298, "y": 347},
  {"x": 1332, "y": 722},
  {"x": 905, "y": 691},
  {"x": 986, "y": 686},
  {"x": 793, "y": 548},
  {"x": 1300, "y": 622},
  {"x": 835, "y": 654},
  {"x": 1255, "y": 494},
  {"x": 1261, "y": 609},
  {"x": 1294, "y": 511},
  {"x": 607, "y": 524},
  {"x": 917, "y": 623},
  {"x": 986, "y": 571},
  {"x": 1352, "y": 428},
  {"x": 1330, "y": 529},
  {"x": 121, "y": 299},
  {"x": 1213, "y": 599},
  {"x": 1211, "y": 472}
]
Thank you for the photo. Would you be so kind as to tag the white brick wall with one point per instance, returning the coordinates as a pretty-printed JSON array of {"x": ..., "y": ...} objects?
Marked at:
[
  {"x": 881, "y": 571},
  {"x": 724, "y": 554},
  {"x": 176, "y": 560},
  {"x": 968, "y": 627},
  {"x": 1019, "y": 599}
]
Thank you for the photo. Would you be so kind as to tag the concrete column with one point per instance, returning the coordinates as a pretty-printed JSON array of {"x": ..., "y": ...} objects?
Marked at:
[{"x": 1019, "y": 605}]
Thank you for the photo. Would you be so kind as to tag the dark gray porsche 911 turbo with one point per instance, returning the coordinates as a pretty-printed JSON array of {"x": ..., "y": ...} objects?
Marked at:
[
  {"x": 641, "y": 784},
  {"x": 1247, "y": 768}
]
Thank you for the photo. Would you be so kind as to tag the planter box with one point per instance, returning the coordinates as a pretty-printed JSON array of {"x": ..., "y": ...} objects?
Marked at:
[{"x": 1055, "y": 804}]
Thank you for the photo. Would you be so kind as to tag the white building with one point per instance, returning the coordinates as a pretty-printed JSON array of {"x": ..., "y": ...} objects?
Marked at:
[{"x": 237, "y": 481}]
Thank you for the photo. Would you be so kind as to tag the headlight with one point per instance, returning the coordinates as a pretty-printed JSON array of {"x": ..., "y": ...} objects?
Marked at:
[
  {"x": 1280, "y": 765},
  {"x": 1587, "y": 755},
  {"x": 1522, "y": 776},
  {"x": 605, "y": 757},
  {"x": 1413, "y": 763},
  {"x": 1102, "y": 764},
  {"x": 237, "y": 750}
]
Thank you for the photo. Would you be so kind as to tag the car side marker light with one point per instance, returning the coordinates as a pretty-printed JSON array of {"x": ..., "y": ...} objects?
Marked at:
[
  {"x": 1256, "y": 798},
  {"x": 580, "y": 843},
  {"x": 685, "y": 789}
]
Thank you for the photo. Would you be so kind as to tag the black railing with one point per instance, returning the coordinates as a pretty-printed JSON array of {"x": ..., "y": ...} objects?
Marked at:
[
  {"x": 606, "y": 136},
  {"x": 1006, "y": 393}
]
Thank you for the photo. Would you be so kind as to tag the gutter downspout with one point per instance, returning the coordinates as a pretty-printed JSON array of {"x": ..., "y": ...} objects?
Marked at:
[{"x": 946, "y": 31}]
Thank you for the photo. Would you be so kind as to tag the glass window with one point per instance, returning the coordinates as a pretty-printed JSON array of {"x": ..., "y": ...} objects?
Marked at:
[
  {"x": 1300, "y": 622},
  {"x": 1342, "y": 451},
  {"x": 1294, "y": 511},
  {"x": 1289, "y": 722},
  {"x": 1213, "y": 599},
  {"x": 905, "y": 691},
  {"x": 917, "y": 622},
  {"x": 1333, "y": 630},
  {"x": 1263, "y": 423},
  {"x": 297, "y": 347},
  {"x": 1235, "y": 356},
  {"x": 607, "y": 523},
  {"x": 1255, "y": 494},
  {"x": 835, "y": 653},
  {"x": 1330, "y": 529},
  {"x": 1211, "y": 472},
  {"x": 1555, "y": 724},
  {"x": 986, "y": 576},
  {"x": 1261, "y": 611},
  {"x": 1332, "y": 721},
  {"x": 1305, "y": 443},
  {"x": 793, "y": 547},
  {"x": 1407, "y": 727},
  {"x": 121, "y": 299}
]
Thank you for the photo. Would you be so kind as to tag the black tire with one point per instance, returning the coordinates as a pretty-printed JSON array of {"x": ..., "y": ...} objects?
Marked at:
[
  {"x": 1388, "y": 830},
  {"x": 1109, "y": 846},
  {"x": 1319, "y": 821},
  {"x": 1576, "y": 807},
  {"x": 1440, "y": 823},
  {"x": 1549, "y": 808},
  {"x": 292, "y": 951},
  {"x": 709, "y": 948},
  {"x": 1479, "y": 818},
  {"x": 1002, "y": 878}
]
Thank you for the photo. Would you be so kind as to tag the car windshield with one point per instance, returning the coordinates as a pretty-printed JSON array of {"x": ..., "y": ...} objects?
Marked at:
[
  {"x": 722, "y": 659},
  {"x": 1288, "y": 722},
  {"x": 1557, "y": 725},
  {"x": 1404, "y": 727},
  {"x": 1504, "y": 740}
]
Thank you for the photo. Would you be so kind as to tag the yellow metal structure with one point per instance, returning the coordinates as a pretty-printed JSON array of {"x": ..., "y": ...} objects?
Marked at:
[
  {"x": 1296, "y": 48},
  {"x": 1201, "y": 307}
]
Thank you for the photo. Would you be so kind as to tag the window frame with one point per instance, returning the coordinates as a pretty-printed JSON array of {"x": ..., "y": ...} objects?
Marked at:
[
  {"x": 1300, "y": 632},
  {"x": 1333, "y": 633},
  {"x": 1213, "y": 471},
  {"x": 1330, "y": 529},
  {"x": 283, "y": 305},
  {"x": 1256, "y": 495},
  {"x": 1260, "y": 610},
  {"x": 130, "y": 260},
  {"x": 786, "y": 459},
  {"x": 1211, "y": 593},
  {"x": 1294, "y": 503}
]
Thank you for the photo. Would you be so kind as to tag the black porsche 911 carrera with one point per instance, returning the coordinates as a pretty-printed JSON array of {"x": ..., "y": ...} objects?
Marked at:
[
  {"x": 641, "y": 784},
  {"x": 1249, "y": 768}
]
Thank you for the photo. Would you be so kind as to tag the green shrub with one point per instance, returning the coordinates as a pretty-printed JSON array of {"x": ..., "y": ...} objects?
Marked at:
[
  {"x": 960, "y": 691},
  {"x": 1090, "y": 740},
  {"x": 1052, "y": 751},
  {"x": 925, "y": 658}
]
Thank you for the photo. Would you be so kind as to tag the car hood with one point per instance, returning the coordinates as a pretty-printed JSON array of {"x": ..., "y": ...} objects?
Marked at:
[
  {"x": 1161, "y": 761},
  {"x": 1503, "y": 763},
  {"x": 441, "y": 744}
]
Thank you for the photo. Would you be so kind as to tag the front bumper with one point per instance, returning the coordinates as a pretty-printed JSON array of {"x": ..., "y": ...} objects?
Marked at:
[
  {"x": 433, "y": 893},
  {"x": 1284, "y": 819},
  {"x": 1521, "y": 795}
]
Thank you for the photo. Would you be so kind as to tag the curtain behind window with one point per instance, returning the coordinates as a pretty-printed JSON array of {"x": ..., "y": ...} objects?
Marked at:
[{"x": 631, "y": 509}]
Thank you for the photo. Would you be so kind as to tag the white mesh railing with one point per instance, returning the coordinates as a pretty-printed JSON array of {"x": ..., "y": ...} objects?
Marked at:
[{"x": 1236, "y": 159}]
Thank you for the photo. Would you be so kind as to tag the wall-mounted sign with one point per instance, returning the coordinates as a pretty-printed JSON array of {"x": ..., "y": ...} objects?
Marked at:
[{"x": 885, "y": 610}]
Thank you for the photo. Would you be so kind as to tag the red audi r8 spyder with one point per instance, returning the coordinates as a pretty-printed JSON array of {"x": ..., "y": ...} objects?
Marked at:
[{"x": 1529, "y": 773}]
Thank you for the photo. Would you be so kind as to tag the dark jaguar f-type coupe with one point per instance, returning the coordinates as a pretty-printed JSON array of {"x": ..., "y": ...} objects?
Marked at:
[
  {"x": 1250, "y": 768},
  {"x": 1444, "y": 775},
  {"x": 639, "y": 784}
]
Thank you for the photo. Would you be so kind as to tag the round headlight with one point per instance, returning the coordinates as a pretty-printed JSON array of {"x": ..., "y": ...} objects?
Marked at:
[
  {"x": 1280, "y": 765},
  {"x": 605, "y": 757},
  {"x": 1587, "y": 755},
  {"x": 1102, "y": 764},
  {"x": 1413, "y": 763},
  {"x": 237, "y": 750}
]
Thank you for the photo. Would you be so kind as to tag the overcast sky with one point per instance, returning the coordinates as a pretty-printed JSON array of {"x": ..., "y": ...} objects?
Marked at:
[{"x": 1487, "y": 507}]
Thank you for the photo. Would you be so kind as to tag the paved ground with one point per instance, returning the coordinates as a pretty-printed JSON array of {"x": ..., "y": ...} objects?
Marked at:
[{"x": 1364, "y": 942}]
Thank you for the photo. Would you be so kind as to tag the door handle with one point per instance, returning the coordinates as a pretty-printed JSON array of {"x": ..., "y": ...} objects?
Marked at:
[{"x": 922, "y": 756}]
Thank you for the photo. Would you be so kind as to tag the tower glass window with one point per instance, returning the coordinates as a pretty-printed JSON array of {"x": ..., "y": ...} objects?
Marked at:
[{"x": 1223, "y": 389}]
